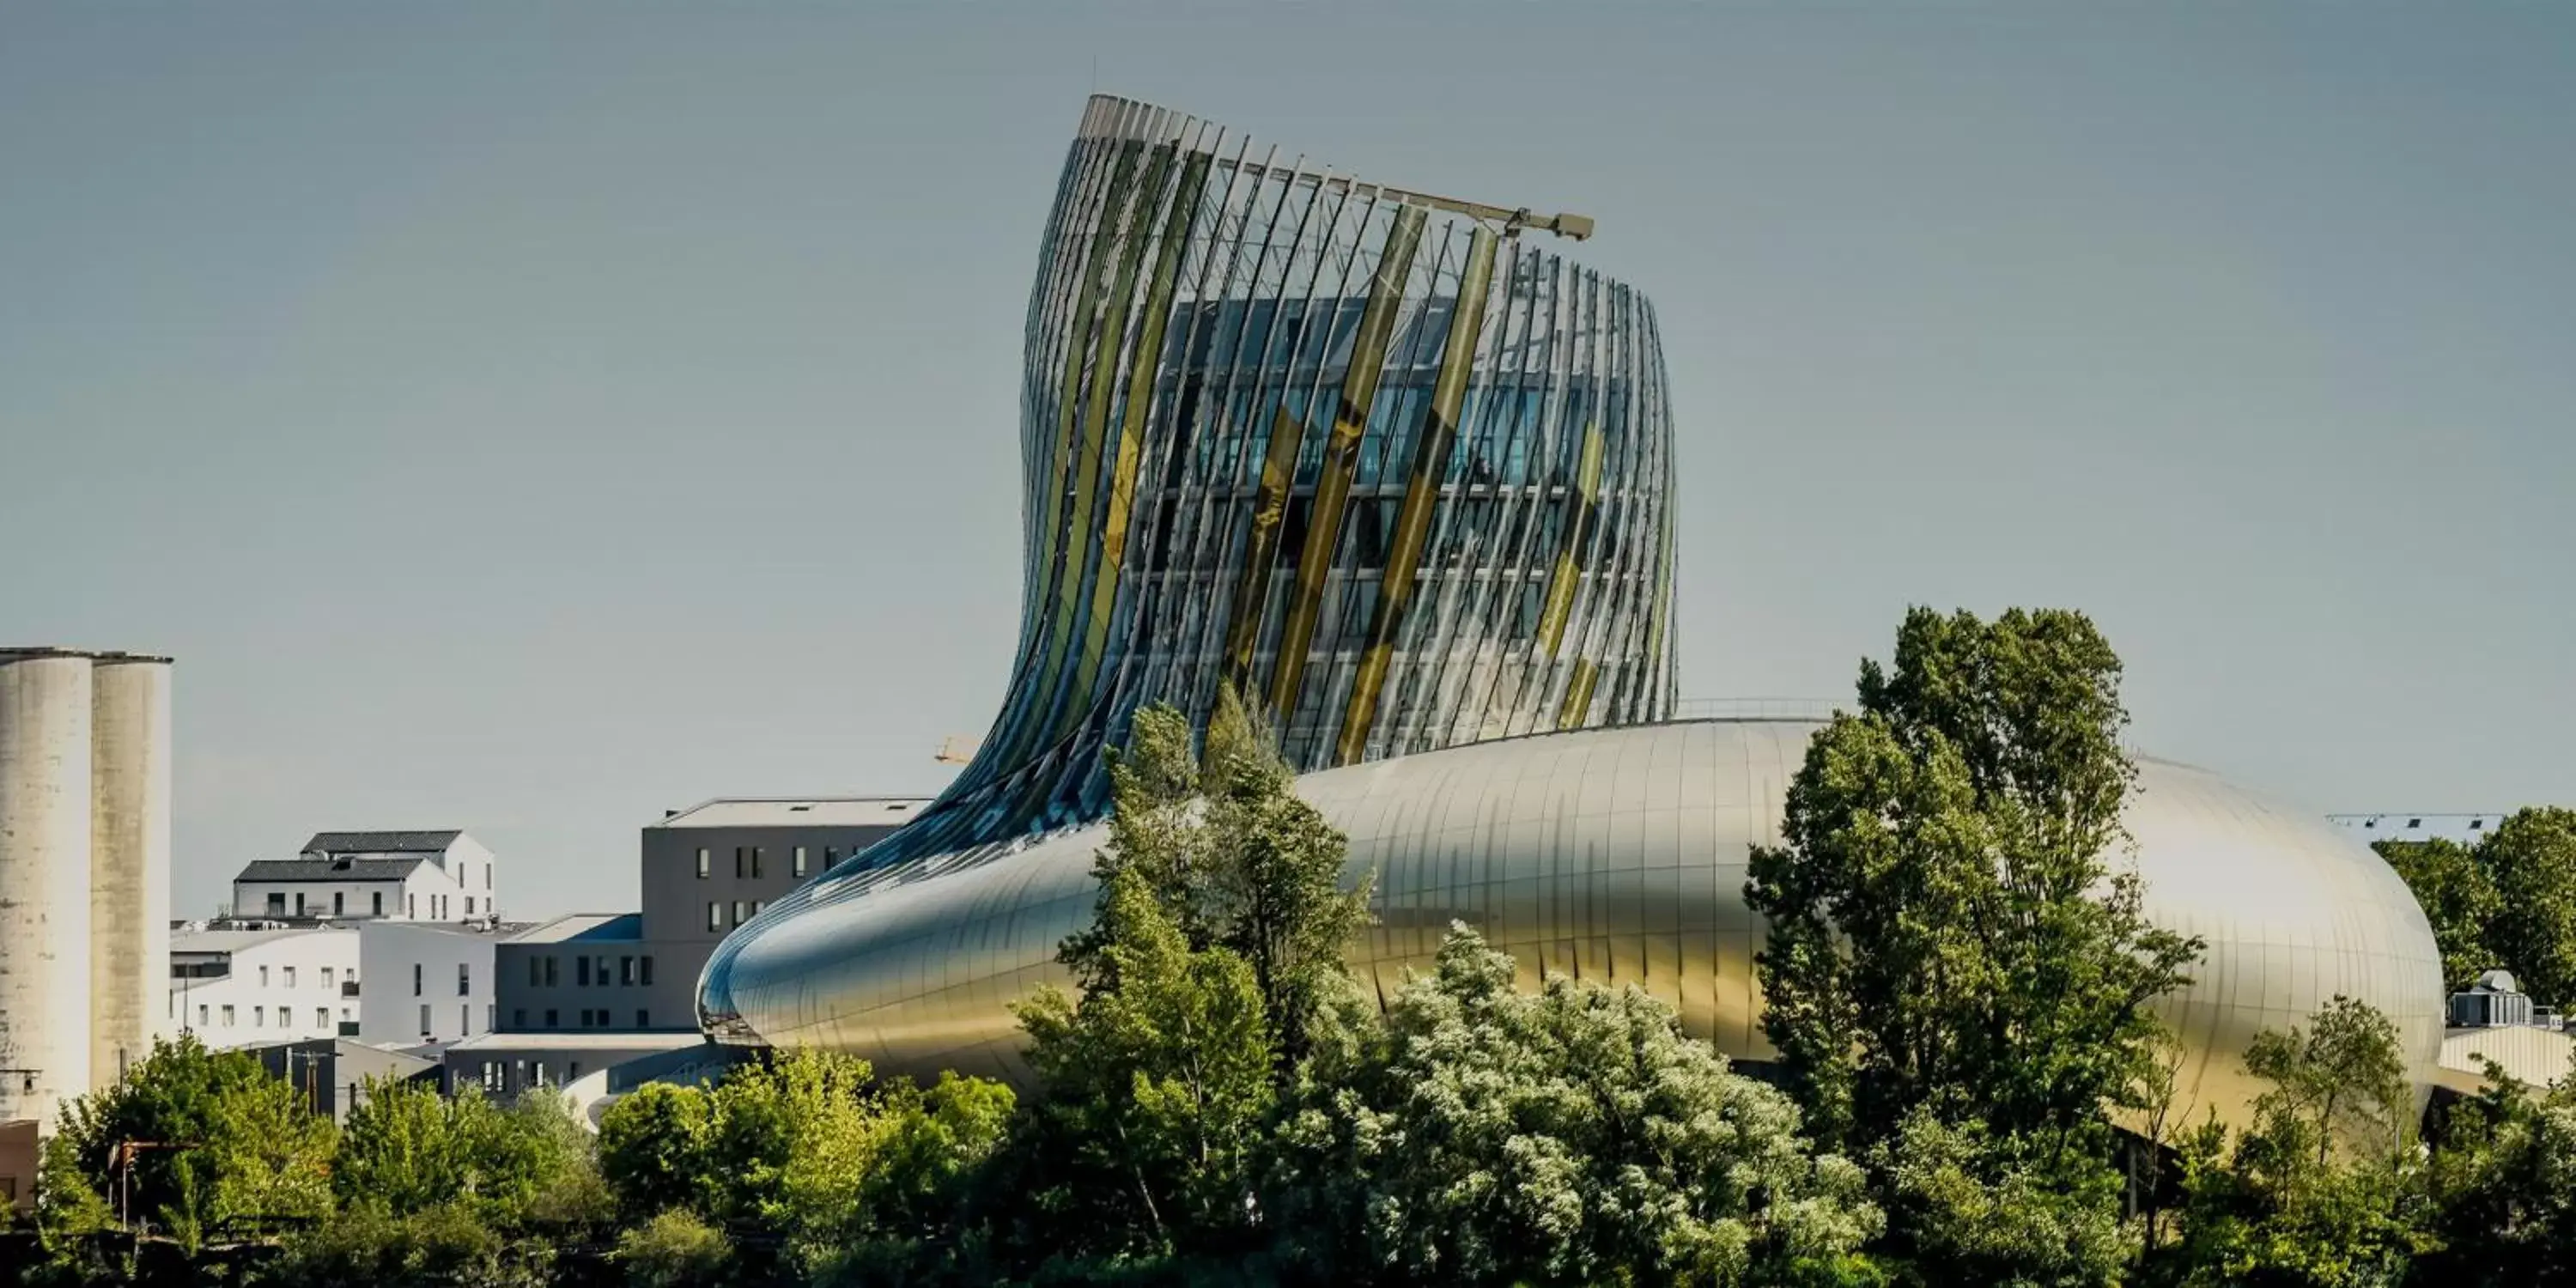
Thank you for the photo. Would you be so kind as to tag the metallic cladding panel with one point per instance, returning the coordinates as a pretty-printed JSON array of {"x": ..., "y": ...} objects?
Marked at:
[
  {"x": 45, "y": 804},
  {"x": 1231, "y": 363},
  {"x": 1614, "y": 855}
]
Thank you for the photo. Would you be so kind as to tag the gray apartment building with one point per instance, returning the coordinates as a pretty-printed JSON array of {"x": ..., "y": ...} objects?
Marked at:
[{"x": 583, "y": 991}]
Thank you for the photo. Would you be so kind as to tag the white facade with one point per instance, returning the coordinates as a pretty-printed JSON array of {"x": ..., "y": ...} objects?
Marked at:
[
  {"x": 244, "y": 987},
  {"x": 427, "y": 982},
  {"x": 353, "y": 876}
]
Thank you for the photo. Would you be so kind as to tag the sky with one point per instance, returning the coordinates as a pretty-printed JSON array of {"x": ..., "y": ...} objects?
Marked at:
[{"x": 534, "y": 418}]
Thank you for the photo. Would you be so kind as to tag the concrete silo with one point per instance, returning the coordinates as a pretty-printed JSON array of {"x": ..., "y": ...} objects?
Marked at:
[
  {"x": 45, "y": 805},
  {"x": 129, "y": 859}
]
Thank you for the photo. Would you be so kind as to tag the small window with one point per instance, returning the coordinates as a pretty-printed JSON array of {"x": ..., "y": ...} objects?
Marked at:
[
  {"x": 487, "y": 876},
  {"x": 469, "y": 905},
  {"x": 2414, "y": 822},
  {"x": 552, "y": 977},
  {"x": 626, "y": 971},
  {"x": 415, "y": 979},
  {"x": 702, "y": 864},
  {"x": 572, "y": 1070},
  {"x": 741, "y": 863},
  {"x": 424, "y": 1019},
  {"x": 757, "y": 905},
  {"x": 277, "y": 903},
  {"x": 800, "y": 861},
  {"x": 491, "y": 1016},
  {"x": 643, "y": 1019},
  {"x": 326, "y": 977},
  {"x": 411, "y": 905},
  {"x": 551, "y": 1021},
  {"x": 258, "y": 1016},
  {"x": 287, "y": 973},
  {"x": 321, "y": 1017},
  {"x": 831, "y": 855},
  {"x": 755, "y": 863},
  {"x": 2477, "y": 824},
  {"x": 645, "y": 976},
  {"x": 299, "y": 903},
  {"x": 715, "y": 916},
  {"x": 741, "y": 911},
  {"x": 201, "y": 1015},
  {"x": 228, "y": 1017},
  {"x": 263, "y": 977},
  {"x": 376, "y": 903},
  {"x": 465, "y": 1020},
  {"x": 581, "y": 971},
  {"x": 464, "y": 978},
  {"x": 339, "y": 902}
]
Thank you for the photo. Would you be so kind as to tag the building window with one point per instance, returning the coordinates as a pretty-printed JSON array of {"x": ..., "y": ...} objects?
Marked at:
[
  {"x": 741, "y": 911},
  {"x": 469, "y": 905},
  {"x": 491, "y": 1017},
  {"x": 258, "y": 1016},
  {"x": 487, "y": 876},
  {"x": 581, "y": 971},
  {"x": 643, "y": 1018},
  {"x": 572, "y": 1070},
  {"x": 603, "y": 970},
  {"x": 702, "y": 865},
  {"x": 536, "y": 971},
  {"x": 465, "y": 1020},
  {"x": 201, "y": 1015},
  {"x": 326, "y": 977},
  {"x": 411, "y": 906},
  {"x": 344, "y": 1015},
  {"x": 299, "y": 903},
  {"x": 831, "y": 856},
  {"x": 375, "y": 903},
  {"x": 626, "y": 971},
  {"x": 424, "y": 1019},
  {"x": 645, "y": 977},
  {"x": 339, "y": 902},
  {"x": 464, "y": 978},
  {"x": 551, "y": 1021},
  {"x": 228, "y": 1017},
  {"x": 741, "y": 865},
  {"x": 288, "y": 973},
  {"x": 552, "y": 977},
  {"x": 757, "y": 905},
  {"x": 715, "y": 916},
  {"x": 277, "y": 903},
  {"x": 321, "y": 1017},
  {"x": 755, "y": 863},
  {"x": 800, "y": 860},
  {"x": 415, "y": 979},
  {"x": 263, "y": 977}
]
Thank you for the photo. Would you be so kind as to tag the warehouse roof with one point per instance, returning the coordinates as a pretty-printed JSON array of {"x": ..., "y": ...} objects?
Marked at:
[
  {"x": 381, "y": 842},
  {"x": 329, "y": 869},
  {"x": 799, "y": 811}
]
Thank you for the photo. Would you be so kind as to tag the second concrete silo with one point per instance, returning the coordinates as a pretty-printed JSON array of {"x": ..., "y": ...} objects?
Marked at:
[
  {"x": 45, "y": 806},
  {"x": 129, "y": 858}
]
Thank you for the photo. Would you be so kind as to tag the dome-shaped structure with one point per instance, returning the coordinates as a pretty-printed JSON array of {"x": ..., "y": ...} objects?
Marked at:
[{"x": 1613, "y": 855}]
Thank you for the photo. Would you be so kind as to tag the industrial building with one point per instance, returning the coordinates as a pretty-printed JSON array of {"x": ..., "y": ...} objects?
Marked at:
[
  {"x": 2463, "y": 829},
  {"x": 1399, "y": 473},
  {"x": 84, "y": 872},
  {"x": 590, "y": 990}
]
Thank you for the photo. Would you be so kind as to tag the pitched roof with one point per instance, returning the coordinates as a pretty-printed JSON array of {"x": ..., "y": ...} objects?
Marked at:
[
  {"x": 329, "y": 869},
  {"x": 380, "y": 842}
]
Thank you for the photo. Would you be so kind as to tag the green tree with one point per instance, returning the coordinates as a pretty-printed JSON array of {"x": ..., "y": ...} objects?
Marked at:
[
  {"x": 1575, "y": 1136},
  {"x": 1947, "y": 928},
  {"x": 193, "y": 1142},
  {"x": 2532, "y": 858},
  {"x": 1974, "y": 1207},
  {"x": 2459, "y": 898},
  {"x": 2321, "y": 1188},
  {"x": 652, "y": 1146},
  {"x": 674, "y": 1249},
  {"x": 1156, "y": 1093},
  {"x": 2503, "y": 1189},
  {"x": 407, "y": 1149},
  {"x": 1237, "y": 861}
]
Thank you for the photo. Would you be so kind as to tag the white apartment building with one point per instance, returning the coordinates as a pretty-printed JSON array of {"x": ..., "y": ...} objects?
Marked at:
[
  {"x": 406, "y": 876},
  {"x": 428, "y": 983},
  {"x": 244, "y": 984}
]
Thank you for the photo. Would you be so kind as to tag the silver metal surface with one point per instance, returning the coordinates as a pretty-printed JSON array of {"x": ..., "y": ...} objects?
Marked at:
[{"x": 1611, "y": 855}]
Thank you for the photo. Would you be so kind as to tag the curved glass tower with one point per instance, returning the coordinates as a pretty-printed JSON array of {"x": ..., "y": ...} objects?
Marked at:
[{"x": 1398, "y": 473}]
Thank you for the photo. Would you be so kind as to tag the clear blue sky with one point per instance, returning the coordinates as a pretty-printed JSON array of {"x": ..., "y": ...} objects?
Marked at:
[{"x": 531, "y": 418}]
